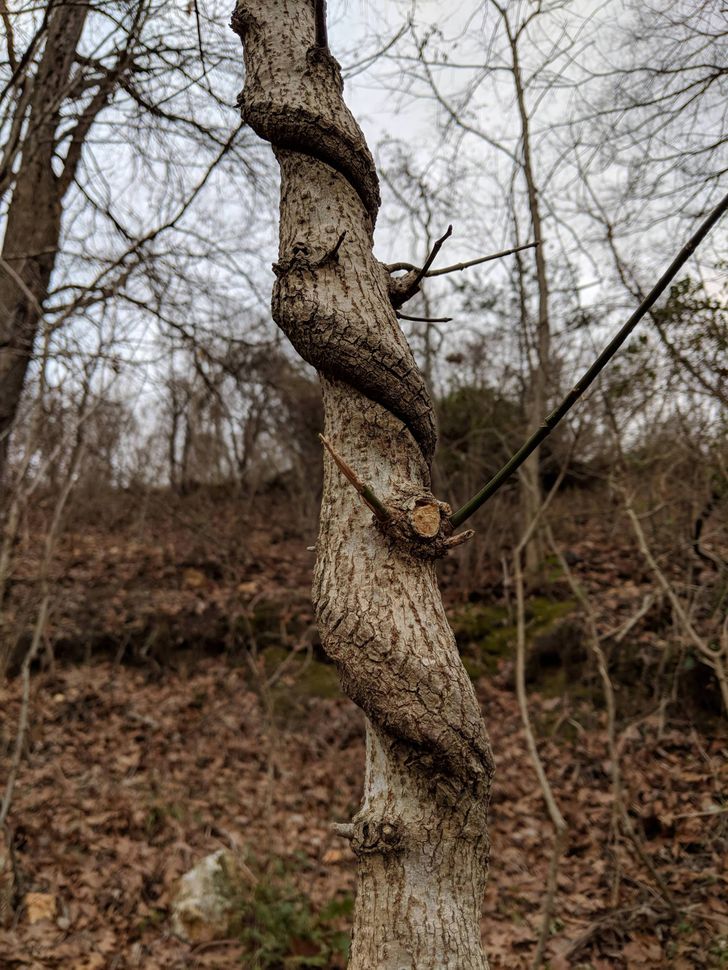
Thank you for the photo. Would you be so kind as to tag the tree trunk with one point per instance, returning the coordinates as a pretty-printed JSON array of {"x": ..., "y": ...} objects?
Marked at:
[
  {"x": 420, "y": 836},
  {"x": 34, "y": 214},
  {"x": 537, "y": 397}
]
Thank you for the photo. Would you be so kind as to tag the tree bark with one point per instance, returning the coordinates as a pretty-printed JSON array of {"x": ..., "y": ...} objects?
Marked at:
[
  {"x": 34, "y": 214},
  {"x": 420, "y": 835}
]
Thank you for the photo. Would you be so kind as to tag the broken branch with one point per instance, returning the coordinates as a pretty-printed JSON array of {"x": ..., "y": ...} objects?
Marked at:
[
  {"x": 404, "y": 288},
  {"x": 403, "y": 316}
]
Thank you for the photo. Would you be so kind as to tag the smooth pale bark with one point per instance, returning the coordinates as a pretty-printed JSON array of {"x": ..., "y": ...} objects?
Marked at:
[{"x": 421, "y": 834}]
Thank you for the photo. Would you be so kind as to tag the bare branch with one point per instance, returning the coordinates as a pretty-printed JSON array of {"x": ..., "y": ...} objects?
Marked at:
[
  {"x": 405, "y": 288},
  {"x": 458, "y": 267},
  {"x": 556, "y": 416}
]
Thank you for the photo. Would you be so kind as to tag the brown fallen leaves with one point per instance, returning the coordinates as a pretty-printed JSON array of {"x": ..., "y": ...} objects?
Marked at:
[{"x": 127, "y": 781}]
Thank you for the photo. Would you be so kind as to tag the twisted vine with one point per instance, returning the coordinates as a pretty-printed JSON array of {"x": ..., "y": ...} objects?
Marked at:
[
  {"x": 334, "y": 301},
  {"x": 296, "y": 104}
]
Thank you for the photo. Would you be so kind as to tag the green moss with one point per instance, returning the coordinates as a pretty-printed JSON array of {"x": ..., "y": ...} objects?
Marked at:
[
  {"x": 320, "y": 680},
  {"x": 279, "y": 928},
  {"x": 475, "y": 621},
  {"x": 265, "y": 622},
  {"x": 158, "y": 815},
  {"x": 303, "y": 676},
  {"x": 486, "y": 634}
]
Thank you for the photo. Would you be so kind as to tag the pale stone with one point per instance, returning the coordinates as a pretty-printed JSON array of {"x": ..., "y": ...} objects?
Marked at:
[{"x": 207, "y": 896}]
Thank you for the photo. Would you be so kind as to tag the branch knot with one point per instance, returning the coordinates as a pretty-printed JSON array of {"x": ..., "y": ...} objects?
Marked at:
[
  {"x": 301, "y": 259},
  {"x": 384, "y": 835}
]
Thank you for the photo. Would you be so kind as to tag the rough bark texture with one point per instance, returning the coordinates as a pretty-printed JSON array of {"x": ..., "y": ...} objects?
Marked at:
[{"x": 420, "y": 835}]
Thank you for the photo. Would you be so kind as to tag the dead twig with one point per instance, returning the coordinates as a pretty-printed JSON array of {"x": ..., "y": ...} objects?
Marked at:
[
  {"x": 715, "y": 659},
  {"x": 459, "y": 267},
  {"x": 404, "y": 316},
  {"x": 557, "y": 819},
  {"x": 24, "y": 706},
  {"x": 404, "y": 288},
  {"x": 367, "y": 494}
]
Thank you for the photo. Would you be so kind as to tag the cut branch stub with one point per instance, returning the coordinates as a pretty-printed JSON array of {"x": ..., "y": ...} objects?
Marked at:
[
  {"x": 419, "y": 523},
  {"x": 384, "y": 836},
  {"x": 425, "y": 518},
  {"x": 412, "y": 517}
]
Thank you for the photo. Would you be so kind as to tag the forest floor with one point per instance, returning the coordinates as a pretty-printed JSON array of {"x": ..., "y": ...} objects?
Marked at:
[{"x": 143, "y": 755}]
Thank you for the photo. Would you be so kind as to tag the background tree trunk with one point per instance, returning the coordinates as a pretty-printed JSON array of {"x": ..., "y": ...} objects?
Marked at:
[
  {"x": 420, "y": 835},
  {"x": 34, "y": 214},
  {"x": 539, "y": 373}
]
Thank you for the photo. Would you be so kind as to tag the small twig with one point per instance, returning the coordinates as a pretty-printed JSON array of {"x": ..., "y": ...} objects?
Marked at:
[
  {"x": 370, "y": 498},
  {"x": 335, "y": 251},
  {"x": 321, "y": 37},
  {"x": 609, "y": 698},
  {"x": 561, "y": 839},
  {"x": 142, "y": 719},
  {"x": 343, "y": 829},
  {"x": 459, "y": 539},
  {"x": 435, "y": 250},
  {"x": 213, "y": 945},
  {"x": 557, "y": 819},
  {"x": 408, "y": 287},
  {"x": 199, "y": 39},
  {"x": 711, "y": 811},
  {"x": 22, "y": 285},
  {"x": 716, "y": 659},
  {"x": 24, "y": 705},
  {"x": 620, "y": 632},
  {"x": 459, "y": 267},
  {"x": 587, "y": 379},
  {"x": 404, "y": 316}
]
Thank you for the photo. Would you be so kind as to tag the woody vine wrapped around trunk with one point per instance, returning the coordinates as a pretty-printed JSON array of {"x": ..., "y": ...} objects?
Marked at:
[{"x": 420, "y": 835}]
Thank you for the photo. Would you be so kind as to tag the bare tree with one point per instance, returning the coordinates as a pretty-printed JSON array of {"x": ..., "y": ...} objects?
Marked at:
[{"x": 79, "y": 227}]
